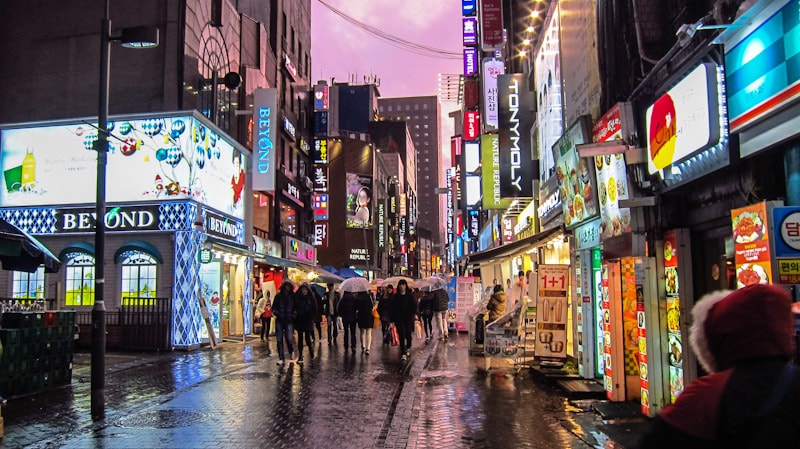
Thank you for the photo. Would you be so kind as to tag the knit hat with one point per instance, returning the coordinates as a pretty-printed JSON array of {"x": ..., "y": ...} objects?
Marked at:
[{"x": 753, "y": 322}]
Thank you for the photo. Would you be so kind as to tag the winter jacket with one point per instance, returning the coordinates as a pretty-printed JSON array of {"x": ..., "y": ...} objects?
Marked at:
[
  {"x": 283, "y": 306},
  {"x": 751, "y": 398},
  {"x": 383, "y": 308},
  {"x": 305, "y": 309},
  {"x": 426, "y": 305},
  {"x": 347, "y": 308},
  {"x": 440, "y": 300},
  {"x": 364, "y": 311},
  {"x": 318, "y": 312},
  {"x": 497, "y": 305},
  {"x": 402, "y": 308},
  {"x": 328, "y": 308}
]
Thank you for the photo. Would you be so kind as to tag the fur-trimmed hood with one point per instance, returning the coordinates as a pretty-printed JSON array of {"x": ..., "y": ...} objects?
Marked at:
[{"x": 752, "y": 322}]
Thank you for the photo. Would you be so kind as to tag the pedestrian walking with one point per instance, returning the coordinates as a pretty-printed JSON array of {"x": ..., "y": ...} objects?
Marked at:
[
  {"x": 365, "y": 319},
  {"x": 318, "y": 315},
  {"x": 283, "y": 311},
  {"x": 751, "y": 396},
  {"x": 330, "y": 302},
  {"x": 264, "y": 312},
  {"x": 347, "y": 312},
  {"x": 403, "y": 310},
  {"x": 426, "y": 314},
  {"x": 305, "y": 312},
  {"x": 440, "y": 305},
  {"x": 383, "y": 312},
  {"x": 497, "y": 303}
]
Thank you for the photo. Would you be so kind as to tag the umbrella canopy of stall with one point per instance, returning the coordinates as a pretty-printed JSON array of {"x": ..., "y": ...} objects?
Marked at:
[
  {"x": 19, "y": 251},
  {"x": 347, "y": 272},
  {"x": 355, "y": 284}
]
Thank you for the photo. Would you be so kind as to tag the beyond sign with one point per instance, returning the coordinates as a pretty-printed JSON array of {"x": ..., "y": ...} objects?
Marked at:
[
  {"x": 222, "y": 227},
  {"x": 131, "y": 218},
  {"x": 516, "y": 168},
  {"x": 264, "y": 111}
]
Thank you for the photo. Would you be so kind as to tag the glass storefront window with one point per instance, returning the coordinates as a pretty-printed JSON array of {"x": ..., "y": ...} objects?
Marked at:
[
  {"x": 80, "y": 279},
  {"x": 28, "y": 285},
  {"x": 139, "y": 271},
  {"x": 288, "y": 219}
]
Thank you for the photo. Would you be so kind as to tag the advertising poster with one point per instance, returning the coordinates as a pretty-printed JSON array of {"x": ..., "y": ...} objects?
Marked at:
[
  {"x": 608, "y": 371},
  {"x": 675, "y": 342},
  {"x": 551, "y": 308},
  {"x": 172, "y": 158},
  {"x": 359, "y": 200},
  {"x": 751, "y": 245},
  {"x": 467, "y": 294},
  {"x": 547, "y": 78},
  {"x": 211, "y": 289},
  {"x": 612, "y": 179},
  {"x": 452, "y": 289},
  {"x": 576, "y": 177}
]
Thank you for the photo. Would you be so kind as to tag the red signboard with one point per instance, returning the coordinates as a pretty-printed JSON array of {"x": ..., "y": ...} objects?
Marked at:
[
  {"x": 491, "y": 24},
  {"x": 472, "y": 126}
]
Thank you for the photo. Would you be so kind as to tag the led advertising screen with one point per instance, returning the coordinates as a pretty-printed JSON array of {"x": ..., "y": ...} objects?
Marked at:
[
  {"x": 359, "y": 200},
  {"x": 516, "y": 166},
  {"x": 148, "y": 160}
]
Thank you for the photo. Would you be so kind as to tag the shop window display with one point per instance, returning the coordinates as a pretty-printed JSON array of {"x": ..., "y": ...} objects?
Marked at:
[
  {"x": 28, "y": 285},
  {"x": 79, "y": 279},
  {"x": 139, "y": 272}
]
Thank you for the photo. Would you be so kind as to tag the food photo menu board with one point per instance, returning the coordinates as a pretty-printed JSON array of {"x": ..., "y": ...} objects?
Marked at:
[
  {"x": 751, "y": 245},
  {"x": 675, "y": 342}
]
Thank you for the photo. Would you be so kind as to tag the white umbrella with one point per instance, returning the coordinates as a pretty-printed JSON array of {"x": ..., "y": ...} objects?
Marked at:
[
  {"x": 423, "y": 284},
  {"x": 394, "y": 279},
  {"x": 355, "y": 284},
  {"x": 376, "y": 282},
  {"x": 432, "y": 283}
]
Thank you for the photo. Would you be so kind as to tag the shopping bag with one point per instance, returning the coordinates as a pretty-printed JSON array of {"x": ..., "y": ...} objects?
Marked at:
[
  {"x": 339, "y": 323},
  {"x": 395, "y": 338},
  {"x": 418, "y": 328}
]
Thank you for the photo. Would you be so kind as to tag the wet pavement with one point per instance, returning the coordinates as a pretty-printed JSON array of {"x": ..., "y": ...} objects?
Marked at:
[{"x": 237, "y": 396}]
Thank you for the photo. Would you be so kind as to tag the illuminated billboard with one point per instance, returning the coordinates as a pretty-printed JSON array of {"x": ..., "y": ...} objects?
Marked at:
[
  {"x": 149, "y": 159},
  {"x": 265, "y": 126},
  {"x": 359, "y": 200}
]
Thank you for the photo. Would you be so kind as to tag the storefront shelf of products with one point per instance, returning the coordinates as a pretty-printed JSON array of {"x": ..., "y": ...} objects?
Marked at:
[{"x": 37, "y": 351}]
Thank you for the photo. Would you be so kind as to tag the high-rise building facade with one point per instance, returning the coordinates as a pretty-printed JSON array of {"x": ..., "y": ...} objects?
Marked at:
[{"x": 422, "y": 117}]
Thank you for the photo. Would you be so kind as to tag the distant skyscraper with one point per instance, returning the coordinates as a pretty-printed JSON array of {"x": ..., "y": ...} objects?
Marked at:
[{"x": 421, "y": 115}]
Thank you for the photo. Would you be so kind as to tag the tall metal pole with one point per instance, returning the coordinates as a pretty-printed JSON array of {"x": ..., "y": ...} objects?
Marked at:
[{"x": 98, "y": 363}]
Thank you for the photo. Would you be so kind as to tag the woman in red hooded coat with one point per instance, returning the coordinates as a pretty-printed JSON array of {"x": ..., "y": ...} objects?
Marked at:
[{"x": 751, "y": 396}]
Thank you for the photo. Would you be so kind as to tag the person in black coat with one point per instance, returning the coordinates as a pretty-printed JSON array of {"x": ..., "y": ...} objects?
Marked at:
[
  {"x": 283, "y": 311},
  {"x": 383, "y": 312},
  {"x": 347, "y": 311},
  {"x": 318, "y": 316},
  {"x": 403, "y": 310},
  {"x": 366, "y": 320},
  {"x": 440, "y": 305},
  {"x": 305, "y": 312},
  {"x": 426, "y": 314},
  {"x": 330, "y": 302}
]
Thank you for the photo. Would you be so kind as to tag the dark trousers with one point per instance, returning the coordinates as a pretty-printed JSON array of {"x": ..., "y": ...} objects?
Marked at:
[
  {"x": 283, "y": 332},
  {"x": 333, "y": 331},
  {"x": 350, "y": 335},
  {"x": 427, "y": 325},
  {"x": 385, "y": 331},
  {"x": 318, "y": 324},
  {"x": 265, "y": 323},
  {"x": 304, "y": 332},
  {"x": 404, "y": 331}
]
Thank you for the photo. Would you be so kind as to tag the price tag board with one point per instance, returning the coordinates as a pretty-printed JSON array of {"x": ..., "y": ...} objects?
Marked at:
[{"x": 789, "y": 271}]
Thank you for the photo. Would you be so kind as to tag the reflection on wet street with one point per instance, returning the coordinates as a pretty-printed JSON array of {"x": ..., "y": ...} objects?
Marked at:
[{"x": 237, "y": 396}]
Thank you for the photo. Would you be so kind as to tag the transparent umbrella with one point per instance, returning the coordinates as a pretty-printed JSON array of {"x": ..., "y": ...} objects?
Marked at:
[
  {"x": 394, "y": 279},
  {"x": 355, "y": 284}
]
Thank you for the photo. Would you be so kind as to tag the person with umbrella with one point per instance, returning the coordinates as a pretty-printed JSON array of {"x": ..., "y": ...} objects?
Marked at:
[
  {"x": 347, "y": 311},
  {"x": 403, "y": 310},
  {"x": 283, "y": 311}
]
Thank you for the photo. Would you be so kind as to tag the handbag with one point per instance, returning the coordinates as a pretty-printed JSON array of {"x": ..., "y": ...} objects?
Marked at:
[
  {"x": 394, "y": 338},
  {"x": 418, "y": 328},
  {"x": 339, "y": 323},
  {"x": 267, "y": 313}
]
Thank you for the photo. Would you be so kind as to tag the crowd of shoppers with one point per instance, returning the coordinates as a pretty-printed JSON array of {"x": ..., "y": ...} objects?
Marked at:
[{"x": 301, "y": 309}]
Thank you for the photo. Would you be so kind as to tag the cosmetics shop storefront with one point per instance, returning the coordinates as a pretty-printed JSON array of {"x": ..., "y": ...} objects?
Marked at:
[{"x": 175, "y": 223}]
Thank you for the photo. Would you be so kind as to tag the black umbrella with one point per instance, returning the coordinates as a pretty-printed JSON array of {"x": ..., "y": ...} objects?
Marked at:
[{"x": 21, "y": 252}]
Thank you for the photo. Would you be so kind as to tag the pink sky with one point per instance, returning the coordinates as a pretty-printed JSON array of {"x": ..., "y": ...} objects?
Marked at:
[{"x": 342, "y": 50}]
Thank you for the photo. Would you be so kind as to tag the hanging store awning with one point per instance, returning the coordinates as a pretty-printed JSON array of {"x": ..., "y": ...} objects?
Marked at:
[
  {"x": 504, "y": 251},
  {"x": 272, "y": 260},
  {"x": 320, "y": 274}
]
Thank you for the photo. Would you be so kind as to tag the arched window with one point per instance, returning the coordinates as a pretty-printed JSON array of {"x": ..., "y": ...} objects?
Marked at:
[
  {"x": 139, "y": 271},
  {"x": 80, "y": 279},
  {"x": 28, "y": 285}
]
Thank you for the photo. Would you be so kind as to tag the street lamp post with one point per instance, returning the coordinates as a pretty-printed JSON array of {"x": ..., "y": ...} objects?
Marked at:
[{"x": 139, "y": 37}]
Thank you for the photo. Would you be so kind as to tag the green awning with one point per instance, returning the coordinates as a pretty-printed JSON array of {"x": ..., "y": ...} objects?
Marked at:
[
  {"x": 138, "y": 245},
  {"x": 81, "y": 247}
]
